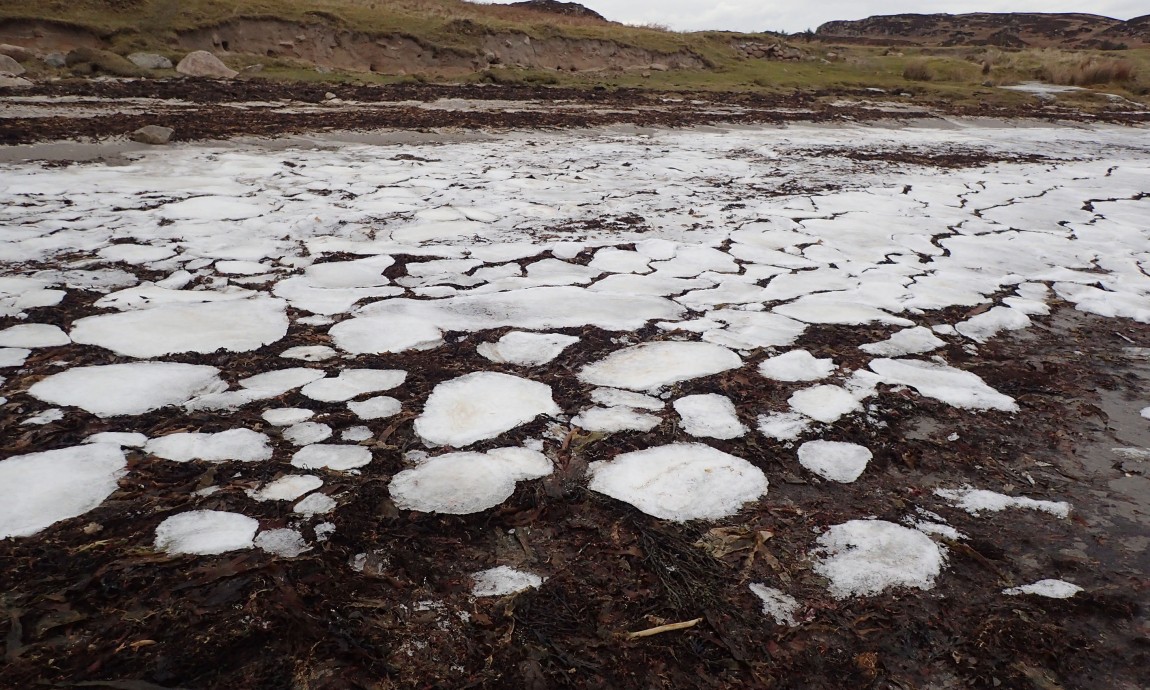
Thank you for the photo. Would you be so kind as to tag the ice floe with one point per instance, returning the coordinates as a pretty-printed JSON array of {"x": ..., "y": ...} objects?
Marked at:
[
  {"x": 650, "y": 366},
  {"x": 13, "y": 356},
  {"x": 709, "y": 416},
  {"x": 680, "y": 482},
  {"x": 128, "y": 389},
  {"x": 38, "y": 490},
  {"x": 310, "y": 353},
  {"x": 306, "y": 433},
  {"x": 383, "y": 334},
  {"x": 315, "y": 504},
  {"x": 280, "y": 381},
  {"x": 866, "y": 557},
  {"x": 481, "y": 405},
  {"x": 463, "y": 483},
  {"x": 241, "y": 445},
  {"x": 332, "y": 456},
  {"x": 834, "y": 460},
  {"x": 826, "y": 404},
  {"x": 783, "y": 426},
  {"x": 984, "y": 326},
  {"x": 287, "y": 416},
  {"x": 206, "y": 533},
  {"x": 31, "y": 335},
  {"x": 614, "y": 397},
  {"x": 909, "y": 341},
  {"x": 1052, "y": 589},
  {"x": 613, "y": 419},
  {"x": 125, "y": 439},
  {"x": 942, "y": 382},
  {"x": 379, "y": 407},
  {"x": 975, "y": 501},
  {"x": 236, "y": 326},
  {"x": 526, "y": 349},
  {"x": 502, "y": 580},
  {"x": 796, "y": 365},
  {"x": 351, "y": 383},
  {"x": 286, "y": 488}
]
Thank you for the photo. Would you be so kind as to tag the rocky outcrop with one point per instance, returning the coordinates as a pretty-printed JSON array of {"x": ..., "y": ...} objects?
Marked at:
[
  {"x": 201, "y": 63},
  {"x": 568, "y": 9},
  {"x": 153, "y": 134},
  {"x": 92, "y": 60}
]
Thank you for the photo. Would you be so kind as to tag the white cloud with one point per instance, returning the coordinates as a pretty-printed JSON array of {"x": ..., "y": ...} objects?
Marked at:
[{"x": 755, "y": 15}]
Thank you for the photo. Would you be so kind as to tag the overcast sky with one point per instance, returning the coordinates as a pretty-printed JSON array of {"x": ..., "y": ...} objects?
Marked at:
[{"x": 792, "y": 16}]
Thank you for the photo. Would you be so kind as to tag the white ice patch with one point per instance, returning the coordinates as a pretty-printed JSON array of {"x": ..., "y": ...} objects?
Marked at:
[
  {"x": 480, "y": 406},
  {"x": 128, "y": 389},
  {"x": 332, "y": 456},
  {"x": 40, "y": 489},
  {"x": 379, "y": 407},
  {"x": 286, "y": 488},
  {"x": 306, "y": 433},
  {"x": 13, "y": 356},
  {"x": 866, "y": 557},
  {"x": 533, "y": 309},
  {"x": 46, "y": 417},
  {"x": 975, "y": 501},
  {"x": 797, "y": 365},
  {"x": 135, "y": 254},
  {"x": 909, "y": 341},
  {"x": 650, "y": 366},
  {"x": 709, "y": 416},
  {"x": 526, "y": 349},
  {"x": 287, "y": 416},
  {"x": 1052, "y": 589},
  {"x": 613, "y": 397},
  {"x": 309, "y": 353},
  {"x": 610, "y": 420},
  {"x": 315, "y": 504},
  {"x": 33, "y": 335},
  {"x": 236, "y": 326},
  {"x": 464, "y": 483},
  {"x": 777, "y": 604},
  {"x": 356, "y": 434},
  {"x": 280, "y": 381},
  {"x": 783, "y": 426},
  {"x": 952, "y": 386},
  {"x": 352, "y": 383},
  {"x": 502, "y": 581},
  {"x": 385, "y": 334},
  {"x": 680, "y": 482},
  {"x": 988, "y": 324},
  {"x": 834, "y": 460},
  {"x": 285, "y": 543},
  {"x": 826, "y": 404},
  {"x": 206, "y": 533},
  {"x": 813, "y": 309},
  {"x": 241, "y": 445}
]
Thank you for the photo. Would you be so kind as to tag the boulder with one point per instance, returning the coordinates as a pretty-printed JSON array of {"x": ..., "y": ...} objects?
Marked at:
[
  {"x": 201, "y": 63},
  {"x": 102, "y": 61},
  {"x": 56, "y": 60},
  {"x": 19, "y": 53},
  {"x": 153, "y": 134},
  {"x": 150, "y": 61},
  {"x": 13, "y": 82},
  {"x": 10, "y": 68}
]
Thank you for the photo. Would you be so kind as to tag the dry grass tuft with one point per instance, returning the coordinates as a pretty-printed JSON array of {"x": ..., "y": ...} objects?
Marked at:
[{"x": 919, "y": 70}]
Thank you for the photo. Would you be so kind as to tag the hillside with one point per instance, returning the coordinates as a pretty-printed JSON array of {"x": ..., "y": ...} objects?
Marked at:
[
  {"x": 1014, "y": 30},
  {"x": 432, "y": 37}
]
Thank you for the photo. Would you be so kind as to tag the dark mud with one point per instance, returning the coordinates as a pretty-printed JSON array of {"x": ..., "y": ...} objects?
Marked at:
[
  {"x": 208, "y": 110},
  {"x": 87, "y": 603}
]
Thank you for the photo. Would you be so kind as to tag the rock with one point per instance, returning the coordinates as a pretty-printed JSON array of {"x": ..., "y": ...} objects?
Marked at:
[
  {"x": 150, "y": 61},
  {"x": 18, "y": 53},
  {"x": 10, "y": 68},
  {"x": 329, "y": 96},
  {"x": 657, "y": 67},
  {"x": 56, "y": 60},
  {"x": 153, "y": 134},
  {"x": 102, "y": 61},
  {"x": 201, "y": 63},
  {"x": 13, "y": 82}
]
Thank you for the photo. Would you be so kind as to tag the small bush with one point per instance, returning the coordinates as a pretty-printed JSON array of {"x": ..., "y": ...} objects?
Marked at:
[
  {"x": 918, "y": 71},
  {"x": 1089, "y": 72}
]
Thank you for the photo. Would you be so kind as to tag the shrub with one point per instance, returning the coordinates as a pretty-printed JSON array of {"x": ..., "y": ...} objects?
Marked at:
[{"x": 918, "y": 71}]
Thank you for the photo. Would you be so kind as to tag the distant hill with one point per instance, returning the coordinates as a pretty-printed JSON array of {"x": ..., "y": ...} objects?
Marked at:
[
  {"x": 570, "y": 9},
  {"x": 1007, "y": 30}
]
